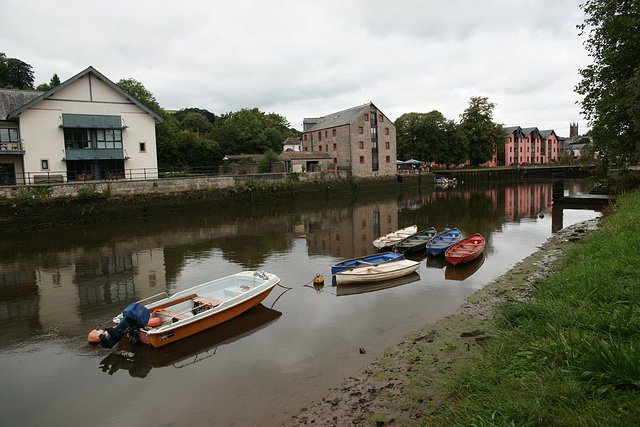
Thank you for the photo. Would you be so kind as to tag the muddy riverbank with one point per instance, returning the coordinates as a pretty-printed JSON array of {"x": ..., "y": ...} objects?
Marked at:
[{"x": 427, "y": 359}]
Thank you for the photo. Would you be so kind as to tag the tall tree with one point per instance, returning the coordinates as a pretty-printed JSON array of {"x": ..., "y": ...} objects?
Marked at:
[
  {"x": 54, "y": 82},
  {"x": 141, "y": 93},
  {"x": 430, "y": 137},
  {"x": 15, "y": 74},
  {"x": 610, "y": 85},
  {"x": 482, "y": 134}
]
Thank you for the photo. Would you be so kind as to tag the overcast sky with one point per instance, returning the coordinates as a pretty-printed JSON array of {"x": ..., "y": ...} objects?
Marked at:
[{"x": 309, "y": 59}]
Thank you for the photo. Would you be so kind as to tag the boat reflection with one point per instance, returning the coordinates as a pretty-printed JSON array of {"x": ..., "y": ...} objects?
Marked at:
[
  {"x": 462, "y": 271},
  {"x": 362, "y": 288},
  {"x": 139, "y": 358}
]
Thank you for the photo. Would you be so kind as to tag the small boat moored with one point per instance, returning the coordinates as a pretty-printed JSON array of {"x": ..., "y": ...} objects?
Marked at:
[
  {"x": 367, "y": 260},
  {"x": 465, "y": 250},
  {"x": 189, "y": 311},
  {"x": 417, "y": 242},
  {"x": 388, "y": 240},
  {"x": 441, "y": 242},
  {"x": 377, "y": 273}
]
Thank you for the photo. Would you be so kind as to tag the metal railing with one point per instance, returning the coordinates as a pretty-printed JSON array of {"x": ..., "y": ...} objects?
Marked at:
[{"x": 79, "y": 176}]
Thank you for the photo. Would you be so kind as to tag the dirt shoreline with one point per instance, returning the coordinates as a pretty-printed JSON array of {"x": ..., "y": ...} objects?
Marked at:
[{"x": 429, "y": 357}]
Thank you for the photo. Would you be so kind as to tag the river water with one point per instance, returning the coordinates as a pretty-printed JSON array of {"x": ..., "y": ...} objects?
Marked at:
[{"x": 264, "y": 366}]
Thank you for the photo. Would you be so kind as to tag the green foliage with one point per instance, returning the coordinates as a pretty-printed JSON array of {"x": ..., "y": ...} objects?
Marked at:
[
  {"x": 611, "y": 85},
  {"x": 264, "y": 166},
  {"x": 251, "y": 131},
  {"x": 15, "y": 74},
  {"x": 142, "y": 94},
  {"x": 88, "y": 191},
  {"x": 571, "y": 355},
  {"x": 430, "y": 137},
  {"x": 54, "y": 82},
  {"x": 294, "y": 177},
  {"x": 482, "y": 134}
]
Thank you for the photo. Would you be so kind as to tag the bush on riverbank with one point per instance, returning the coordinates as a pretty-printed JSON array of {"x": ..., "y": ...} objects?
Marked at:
[{"x": 570, "y": 356}]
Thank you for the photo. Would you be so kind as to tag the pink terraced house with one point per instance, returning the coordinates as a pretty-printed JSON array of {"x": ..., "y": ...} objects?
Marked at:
[{"x": 529, "y": 145}]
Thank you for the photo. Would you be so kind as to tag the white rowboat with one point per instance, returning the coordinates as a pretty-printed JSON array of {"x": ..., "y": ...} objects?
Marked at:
[
  {"x": 389, "y": 240},
  {"x": 377, "y": 273}
]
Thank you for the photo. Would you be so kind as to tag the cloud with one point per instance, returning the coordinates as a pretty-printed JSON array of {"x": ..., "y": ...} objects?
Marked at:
[{"x": 303, "y": 59}]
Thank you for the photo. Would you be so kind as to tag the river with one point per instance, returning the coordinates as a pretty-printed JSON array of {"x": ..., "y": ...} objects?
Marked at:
[{"x": 264, "y": 366}]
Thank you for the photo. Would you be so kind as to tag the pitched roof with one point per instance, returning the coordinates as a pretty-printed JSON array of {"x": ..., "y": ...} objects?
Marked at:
[
  {"x": 12, "y": 99},
  {"x": 339, "y": 118},
  {"x": 547, "y": 133},
  {"x": 43, "y": 95}
]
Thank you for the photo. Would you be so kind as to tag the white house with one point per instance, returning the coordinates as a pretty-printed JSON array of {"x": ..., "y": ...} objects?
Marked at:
[{"x": 87, "y": 128}]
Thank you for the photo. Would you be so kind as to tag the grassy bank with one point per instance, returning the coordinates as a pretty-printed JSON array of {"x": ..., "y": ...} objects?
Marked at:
[{"x": 570, "y": 355}]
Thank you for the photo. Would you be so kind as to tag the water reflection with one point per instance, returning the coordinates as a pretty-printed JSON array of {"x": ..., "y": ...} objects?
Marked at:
[
  {"x": 56, "y": 286},
  {"x": 70, "y": 280}
]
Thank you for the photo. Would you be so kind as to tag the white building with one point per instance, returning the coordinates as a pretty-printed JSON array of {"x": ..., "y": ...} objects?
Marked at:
[{"x": 87, "y": 128}]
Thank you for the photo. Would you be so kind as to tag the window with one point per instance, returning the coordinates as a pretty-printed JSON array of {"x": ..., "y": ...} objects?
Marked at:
[
  {"x": 8, "y": 135},
  {"x": 335, "y": 160},
  {"x": 143, "y": 147},
  {"x": 326, "y": 133},
  {"x": 386, "y": 131},
  {"x": 360, "y": 130},
  {"x": 335, "y": 146},
  {"x": 76, "y": 139},
  {"x": 366, "y": 117},
  {"x": 387, "y": 159},
  {"x": 381, "y": 118},
  {"x": 304, "y": 137},
  {"x": 44, "y": 164},
  {"x": 333, "y": 132},
  {"x": 326, "y": 147},
  {"x": 319, "y": 136},
  {"x": 387, "y": 145},
  {"x": 319, "y": 147},
  {"x": 306, "y": 148},
  {"x": 361, "y": 144},
  {"x": 109, "y": 138},
  {"x": 361, "y": 159}
]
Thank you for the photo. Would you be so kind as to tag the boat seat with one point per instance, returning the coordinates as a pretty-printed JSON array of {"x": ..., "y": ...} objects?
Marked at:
[
  {"x": 201, "y": 304},
  {"x": 174, "y": 315}
]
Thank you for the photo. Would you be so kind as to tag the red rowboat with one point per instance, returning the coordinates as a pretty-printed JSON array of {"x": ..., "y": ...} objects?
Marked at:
[{"x": 465, "y": 250}]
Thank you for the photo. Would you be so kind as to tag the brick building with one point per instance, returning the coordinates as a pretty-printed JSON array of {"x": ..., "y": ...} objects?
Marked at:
[{"x": 360, "y": 139}]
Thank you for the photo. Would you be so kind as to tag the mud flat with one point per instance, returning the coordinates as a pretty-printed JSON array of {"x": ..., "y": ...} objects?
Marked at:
[{"x": 427, "y": 359}]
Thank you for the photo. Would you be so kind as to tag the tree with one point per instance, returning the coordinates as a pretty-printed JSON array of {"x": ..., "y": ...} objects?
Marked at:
[
  {"x": 54, "y": 82},
  {"x": 430, "y": 137},
  {"x": 15, "y": 74},
  {"x": 139, "y": 92},
  {"x": 610, "y": 86},
  {"x": 196, "y": 123},
  {"x": 482, "y": 134}
]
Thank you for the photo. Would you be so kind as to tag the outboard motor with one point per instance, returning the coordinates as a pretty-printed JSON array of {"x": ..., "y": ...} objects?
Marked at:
[{"x": 135, "y": 316}]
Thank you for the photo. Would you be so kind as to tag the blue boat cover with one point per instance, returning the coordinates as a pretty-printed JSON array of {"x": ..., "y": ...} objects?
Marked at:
[{"x": 138, "y": 313}]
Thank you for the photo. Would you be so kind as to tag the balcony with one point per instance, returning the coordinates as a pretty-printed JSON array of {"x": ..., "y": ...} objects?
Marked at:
[
  {"x": 11, "y": 147},
  {"x": 94, "y": 153}
]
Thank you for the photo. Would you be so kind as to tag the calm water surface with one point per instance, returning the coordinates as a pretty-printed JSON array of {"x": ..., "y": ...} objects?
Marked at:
[{"x": 263, "y": 366}]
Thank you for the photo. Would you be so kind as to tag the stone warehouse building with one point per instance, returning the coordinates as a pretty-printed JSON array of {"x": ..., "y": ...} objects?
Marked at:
[{"x": 360, "y": 139}]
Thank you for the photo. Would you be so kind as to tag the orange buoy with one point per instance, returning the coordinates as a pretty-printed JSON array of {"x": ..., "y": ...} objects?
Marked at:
[
  {"x": 94, "y": 336},
  {"x": 154, "y": 321}
]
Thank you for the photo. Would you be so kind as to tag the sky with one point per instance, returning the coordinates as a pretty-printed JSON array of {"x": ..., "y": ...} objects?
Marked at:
[{"x": 309, "y": 59}]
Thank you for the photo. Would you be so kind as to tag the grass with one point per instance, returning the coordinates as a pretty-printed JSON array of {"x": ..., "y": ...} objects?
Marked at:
[{"x": 571, "y": 355}]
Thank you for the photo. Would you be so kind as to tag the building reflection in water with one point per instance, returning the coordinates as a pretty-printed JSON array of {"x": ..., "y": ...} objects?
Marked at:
[{"x": 69, "y": 280}]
